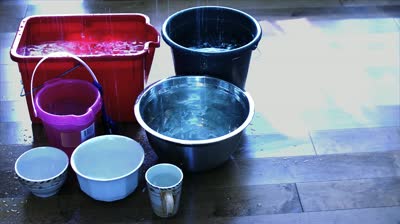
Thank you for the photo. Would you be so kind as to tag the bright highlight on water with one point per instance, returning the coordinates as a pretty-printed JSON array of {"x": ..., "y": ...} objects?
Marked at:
[
  {"x": 214, "y": 48},
  {"x": 195, "y": 113},
  {"x": 82, "y": 48}
]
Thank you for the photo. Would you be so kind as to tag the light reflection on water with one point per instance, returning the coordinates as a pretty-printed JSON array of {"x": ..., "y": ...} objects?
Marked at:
[
  {"x": 82, "y": 48},
  {"x": 214, "y": 48},
  {"x": 193, "y": 113}
]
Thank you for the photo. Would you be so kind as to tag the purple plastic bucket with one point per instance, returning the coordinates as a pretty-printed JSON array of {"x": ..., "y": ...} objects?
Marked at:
[{"x": 68, "y": 109}]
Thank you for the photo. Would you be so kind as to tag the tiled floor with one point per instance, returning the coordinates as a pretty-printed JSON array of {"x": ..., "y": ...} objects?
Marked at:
[{"x": 323, "y": 147}]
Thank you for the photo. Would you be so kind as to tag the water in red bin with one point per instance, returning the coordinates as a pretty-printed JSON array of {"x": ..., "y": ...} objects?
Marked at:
[{"x": 83, "y": 48}]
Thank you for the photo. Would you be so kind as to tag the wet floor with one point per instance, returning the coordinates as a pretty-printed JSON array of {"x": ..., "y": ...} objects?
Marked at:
[{"x": 323, "y": 145}]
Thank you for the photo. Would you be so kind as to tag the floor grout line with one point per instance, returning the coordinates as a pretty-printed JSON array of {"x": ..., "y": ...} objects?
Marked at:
[
  {"x": 312, "y": 143},
  {"x": 26, "y": 9},
  {"x": 299, "y": 198},
  {"x": 397, "y": 22}
]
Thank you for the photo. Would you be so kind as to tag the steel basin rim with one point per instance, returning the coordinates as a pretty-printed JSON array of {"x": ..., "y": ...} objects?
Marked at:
[{"x": 151, "y": 131}]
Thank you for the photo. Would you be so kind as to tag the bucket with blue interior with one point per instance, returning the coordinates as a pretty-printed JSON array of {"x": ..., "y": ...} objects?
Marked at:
[{"x": 68, "y": 108}]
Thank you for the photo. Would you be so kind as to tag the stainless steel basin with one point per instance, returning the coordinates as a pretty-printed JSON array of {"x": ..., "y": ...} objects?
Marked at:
[{"x": 195, "y": 122}]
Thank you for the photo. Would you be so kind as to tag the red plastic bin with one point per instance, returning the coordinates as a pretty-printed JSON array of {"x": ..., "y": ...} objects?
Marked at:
[{"x": 122, "y": 75}]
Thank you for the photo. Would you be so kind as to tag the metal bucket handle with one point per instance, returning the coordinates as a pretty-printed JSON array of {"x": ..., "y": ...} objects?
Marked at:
[{"x": 57, "y": 55}]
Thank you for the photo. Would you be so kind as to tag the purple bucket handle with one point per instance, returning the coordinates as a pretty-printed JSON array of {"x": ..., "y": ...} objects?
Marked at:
[{"x": 57, "y": 55}]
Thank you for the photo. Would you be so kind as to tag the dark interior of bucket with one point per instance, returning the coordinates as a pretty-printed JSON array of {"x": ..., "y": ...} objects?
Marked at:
[
  {"x": 211, "y": 28},
  {"x": 67, "y": 99}
]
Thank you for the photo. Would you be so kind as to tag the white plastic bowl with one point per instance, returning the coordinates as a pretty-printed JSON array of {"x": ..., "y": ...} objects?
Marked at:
[
  {"x": 42, "y": 170},
  {"x": 107, "y": 166}
]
